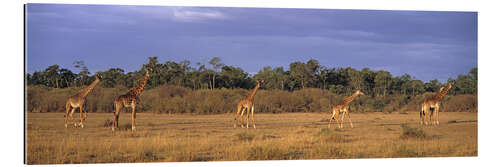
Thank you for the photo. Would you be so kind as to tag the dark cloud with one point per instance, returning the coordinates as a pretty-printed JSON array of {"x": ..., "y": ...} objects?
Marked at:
[{"x": 425, "y": 44}]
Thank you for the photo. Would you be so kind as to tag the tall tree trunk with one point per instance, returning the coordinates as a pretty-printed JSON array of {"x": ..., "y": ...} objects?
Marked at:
[
  {"x": 213, "y": 85},
  {"x": 209, "y": 82},
  {"x": 282, "y": 85}
]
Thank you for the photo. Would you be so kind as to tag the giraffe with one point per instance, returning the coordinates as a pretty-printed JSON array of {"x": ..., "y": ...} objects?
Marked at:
[
  {"x": 343, "y": 108},
  {"x": 247, "y": 105},
  {"x": 430, "y": 106},
  {"x": 78, "y": 101},
  {"x": 129, "y": 99}
]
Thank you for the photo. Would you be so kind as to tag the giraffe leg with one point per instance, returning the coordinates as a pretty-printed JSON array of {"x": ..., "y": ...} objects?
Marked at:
[
  {"x": 71, "y": 115},
  {"x": 337, "y": 118},
  {"x": 238, "y": 110},
  {"x": 248, "y": 116},
  {"x": 426, "y": 114},
  {"x": 436, "y": 111},
  {"x": 422, "y": 115},
  {"x": 342, "y": 122},
  {"x": 241, "y": 117},
  {"x": 253, "y": 119},
  {"x": 431, "y": 116},
  {"x": 116, "y": 116},
  {"x": 85, "y": 116},
  {"x": 68, "y": 106},
  {"x": 133, "y": 116},
  {"x": 331, "y": 118},
  {"x": 349, "y": 117},
  {"x": 81, "y": 119}
]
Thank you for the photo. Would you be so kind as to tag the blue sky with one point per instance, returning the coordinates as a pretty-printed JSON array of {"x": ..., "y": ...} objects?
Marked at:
[{"x": 425, "y": 44}]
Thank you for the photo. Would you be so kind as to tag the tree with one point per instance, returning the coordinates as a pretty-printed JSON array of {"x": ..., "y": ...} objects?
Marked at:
[
  {"x": 464, "y": 84},
  {"x": 195, "y": 75},
  {"x": 282, "y": 77},
  {"x": 400, "y": 84},
  {"x": 52, "y": 76},
  {"x": 313, "y": 67},
  {"x": 216, "y": 64},
  {"x": 368, "y": 85},
  {"x": 416, "y": 87},
  {"x": 473, "y": 76},
  {"x": 305, "y": 73},
  {"x": 155, "y": 77},
  {"x": 113, "y": 77},
  {"x": 185, "y": 69},
  {"x": 383, "y": 80},
  {"x": 37, "y": 78},
  {"x": 432, "y": 86},
  {"x": 234, "y": 77},
  {"x": 67, "y": 77},
  {"x": 82, "y": 77},
  {"x": 355, "y": 78},
  {"x": 297, "y": 72},
  {"x": 323, "y": 76}
]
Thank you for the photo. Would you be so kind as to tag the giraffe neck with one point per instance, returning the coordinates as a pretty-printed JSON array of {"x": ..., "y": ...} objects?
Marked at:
[
  {"x": 254, "y": 91},
  {"x": 441, "y": 94},
  {"x": 88, "y": 89},
  {"x": 140, "y": 87},
  {"x": 349, "y": 99}
]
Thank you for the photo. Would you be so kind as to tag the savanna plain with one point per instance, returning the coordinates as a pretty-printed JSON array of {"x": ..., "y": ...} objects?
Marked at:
[{"x": 284, "y": 136}]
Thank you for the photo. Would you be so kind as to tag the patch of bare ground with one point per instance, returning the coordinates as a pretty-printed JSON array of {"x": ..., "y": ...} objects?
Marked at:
[{"x": 178, "y": 137}]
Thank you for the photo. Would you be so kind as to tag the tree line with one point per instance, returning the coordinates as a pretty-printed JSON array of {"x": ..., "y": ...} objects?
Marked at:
[{"x": 216, "y": 75}]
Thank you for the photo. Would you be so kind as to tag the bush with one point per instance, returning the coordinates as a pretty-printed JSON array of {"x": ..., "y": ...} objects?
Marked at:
[
  {"x": 108, "y": 123},
  {"x": 410, "y": 132},
  {"x": 176, "y": 99},
  {"x": 267, "y": 152},
  {"x": 245, "y": 136},
  {"x": 460, "y": 103},
  {"x": 404, "y": 151}
]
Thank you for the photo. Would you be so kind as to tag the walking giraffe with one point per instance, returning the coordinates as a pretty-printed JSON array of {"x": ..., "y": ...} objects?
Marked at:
[
  {"x": 129, "y": 100},
  {"x": 247, "y": 105},
  {"x": 78, "y": 101},
  {"x": 344, "y": 109},
  {"x": 430, "y": 106}
]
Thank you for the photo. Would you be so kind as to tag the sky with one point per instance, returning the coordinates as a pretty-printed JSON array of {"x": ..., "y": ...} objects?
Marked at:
[{"x": 425, "y": 44}]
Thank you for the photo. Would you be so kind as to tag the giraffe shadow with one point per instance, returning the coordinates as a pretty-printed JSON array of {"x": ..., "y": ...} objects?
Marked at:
[{"x": 464, "y": 121}]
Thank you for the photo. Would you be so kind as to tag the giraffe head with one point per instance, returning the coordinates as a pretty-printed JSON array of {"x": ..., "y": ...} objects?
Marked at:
[
  {"x": 98, "y": 76},
  {"x": 260, "y": 82},
  {"x": 450, "y": 85},
  {"x": 358, "y": 92},
  {"x": 148, "y": 71},
  {"x": 446, "y": 89}
]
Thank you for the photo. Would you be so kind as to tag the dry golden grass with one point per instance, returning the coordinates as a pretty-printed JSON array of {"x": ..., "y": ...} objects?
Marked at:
[{"x": 162, "y": 137}]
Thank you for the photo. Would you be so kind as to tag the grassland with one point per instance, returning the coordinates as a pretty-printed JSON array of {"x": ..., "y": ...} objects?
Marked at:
[{"x": 185, "y": 137}]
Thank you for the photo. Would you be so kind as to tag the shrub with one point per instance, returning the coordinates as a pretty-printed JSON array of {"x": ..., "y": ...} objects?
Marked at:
[
  {"x": 176, "y": 99},
  {"x": 327, "y": 135},
  {"x": 403, "y": 151},
  {"x": 410, "y": 132},
  {"x": 245, "y": 136},
  {"x": 108, "y": 123},
  {"x": 460, "y": 103},
  {"x": 267, "y": 152}
]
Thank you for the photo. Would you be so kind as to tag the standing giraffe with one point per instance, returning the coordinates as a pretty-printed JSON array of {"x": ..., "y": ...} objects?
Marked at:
[
  {"x": 78, "y": 101},
  {"x": 247, "y": 104},
  {"x": 343, "y": 108},
  {"x": 129, "y": 100},
  {"x": 430, "y": 106}
]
